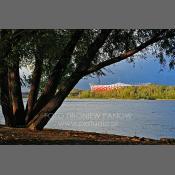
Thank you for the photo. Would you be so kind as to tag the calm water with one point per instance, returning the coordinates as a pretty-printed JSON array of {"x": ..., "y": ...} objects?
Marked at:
[{"x": 142, "y": 118}]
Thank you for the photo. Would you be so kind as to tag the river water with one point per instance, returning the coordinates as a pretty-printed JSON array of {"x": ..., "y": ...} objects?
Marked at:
[{"x": 143, "y": 118}]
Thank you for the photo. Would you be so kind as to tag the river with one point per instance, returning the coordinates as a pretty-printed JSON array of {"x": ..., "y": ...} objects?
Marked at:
[{"x": 143, "y": 118}]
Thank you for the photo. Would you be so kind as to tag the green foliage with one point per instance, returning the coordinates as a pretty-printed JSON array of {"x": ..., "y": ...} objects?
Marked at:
[
  {"x": 149, "y": 92},
  {"x": 52, "y": 42},
  {"x": 75, "y": 93}
]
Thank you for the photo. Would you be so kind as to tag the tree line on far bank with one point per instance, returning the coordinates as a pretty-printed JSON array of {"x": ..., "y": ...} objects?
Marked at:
[{"x": 150, "y": 92}]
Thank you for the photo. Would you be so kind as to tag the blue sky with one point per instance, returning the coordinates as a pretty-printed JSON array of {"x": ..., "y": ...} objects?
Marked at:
[{"x": 143, "y": 71}]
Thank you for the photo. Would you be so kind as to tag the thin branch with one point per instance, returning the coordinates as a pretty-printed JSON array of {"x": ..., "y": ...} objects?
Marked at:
[{"x": 130, "y": 53}]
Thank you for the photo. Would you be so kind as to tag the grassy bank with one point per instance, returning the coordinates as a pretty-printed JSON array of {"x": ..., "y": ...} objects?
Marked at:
[{"x": 150, "y": 92}]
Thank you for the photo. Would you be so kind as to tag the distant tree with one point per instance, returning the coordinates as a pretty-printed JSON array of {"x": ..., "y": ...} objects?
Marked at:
[{"x": 59, "y": 59}]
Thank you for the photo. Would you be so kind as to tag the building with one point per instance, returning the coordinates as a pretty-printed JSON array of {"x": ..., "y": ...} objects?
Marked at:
[{"x": 112, "y": 86}]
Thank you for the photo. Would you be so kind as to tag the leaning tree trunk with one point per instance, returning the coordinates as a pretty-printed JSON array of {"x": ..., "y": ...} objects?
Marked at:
[{"x": 42, "y": 118}]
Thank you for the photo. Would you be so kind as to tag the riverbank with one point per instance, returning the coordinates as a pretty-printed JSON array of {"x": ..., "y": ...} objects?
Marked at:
[
  {"x": 23, "y": 136},
  {"x": 93, "y": 98},
  {"x": 147, "y": 92}
]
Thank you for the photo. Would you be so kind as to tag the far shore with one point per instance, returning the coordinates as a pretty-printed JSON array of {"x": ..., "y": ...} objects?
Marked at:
[
  {"x": 115, "y": 98},
  {"x": 119, "y": 99},
  {"x": 147, "y": 92}
]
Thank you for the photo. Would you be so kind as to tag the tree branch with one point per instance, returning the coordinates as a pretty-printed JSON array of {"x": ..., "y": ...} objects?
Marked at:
[
  {"x": 130, "y": 53},
  {"x": 85, "y": 61}
]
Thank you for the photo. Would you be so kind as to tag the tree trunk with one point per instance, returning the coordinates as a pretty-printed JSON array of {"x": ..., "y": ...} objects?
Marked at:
[
  {"x": 9, "y": 79},
  {"x": 16, "y": 94},
  {"x": 41, "y": 119},
  {"x": 5, "y": 48},
  {"x": 34, "y": 89},
  {"x": 7, "y": 110}
]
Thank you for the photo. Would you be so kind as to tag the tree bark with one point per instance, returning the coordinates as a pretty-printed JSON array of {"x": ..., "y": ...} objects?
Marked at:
[
  {"x": 16, "y": 93},
  {"x": 6, "y": 104},
  {"x": 41, "y": 119},
  {"x": 34, "y": 89}
]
